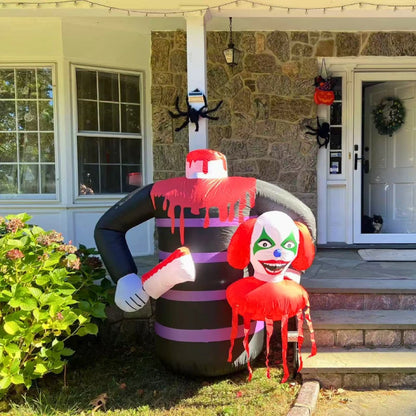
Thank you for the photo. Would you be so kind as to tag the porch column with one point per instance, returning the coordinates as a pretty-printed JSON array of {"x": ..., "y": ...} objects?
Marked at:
[{"x": 197, "y": 73}]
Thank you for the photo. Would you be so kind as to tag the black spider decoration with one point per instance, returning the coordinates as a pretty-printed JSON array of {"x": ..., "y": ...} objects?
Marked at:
[
  {"x": 192, "y": 115},
  {"x": 322, "y": 131}
]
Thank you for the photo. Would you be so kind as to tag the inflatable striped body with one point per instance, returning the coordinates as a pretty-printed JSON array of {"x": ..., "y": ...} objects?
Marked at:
[{"x": 193, "y": 321}]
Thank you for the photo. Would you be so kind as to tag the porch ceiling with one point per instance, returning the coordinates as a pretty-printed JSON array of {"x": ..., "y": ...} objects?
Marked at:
[{"x": 248, "y": 15}]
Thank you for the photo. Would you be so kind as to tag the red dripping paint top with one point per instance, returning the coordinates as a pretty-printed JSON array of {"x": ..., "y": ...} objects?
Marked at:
[
  {"x": 196, "y": 194},
  {"x": 205, "y": 155}
]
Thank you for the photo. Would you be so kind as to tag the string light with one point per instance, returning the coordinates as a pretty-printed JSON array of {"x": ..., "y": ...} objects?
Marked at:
[{"x": 202, "y": 10}]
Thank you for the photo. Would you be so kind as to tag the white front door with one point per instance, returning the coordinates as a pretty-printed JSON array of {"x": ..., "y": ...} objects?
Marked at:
[{"x": 384, "y": 166}]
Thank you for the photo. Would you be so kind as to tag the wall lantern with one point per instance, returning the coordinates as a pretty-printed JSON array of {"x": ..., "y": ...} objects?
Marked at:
[{"x": 232, "y": 54}]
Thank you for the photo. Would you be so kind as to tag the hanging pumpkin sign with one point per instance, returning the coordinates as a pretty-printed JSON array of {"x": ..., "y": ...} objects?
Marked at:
[{"x": 324, "y": 93}]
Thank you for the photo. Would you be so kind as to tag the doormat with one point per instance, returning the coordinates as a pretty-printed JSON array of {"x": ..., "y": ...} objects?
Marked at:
[{"x": 387, "y": 254}]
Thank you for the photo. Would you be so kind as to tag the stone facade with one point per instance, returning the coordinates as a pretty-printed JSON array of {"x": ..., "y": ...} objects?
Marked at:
[{"x": 267, "y": 99}]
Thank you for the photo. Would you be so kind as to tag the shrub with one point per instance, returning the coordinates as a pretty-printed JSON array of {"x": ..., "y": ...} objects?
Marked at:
[{"x": 47, "y": 295}]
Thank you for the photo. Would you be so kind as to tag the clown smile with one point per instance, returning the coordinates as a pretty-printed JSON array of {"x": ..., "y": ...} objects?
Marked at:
[{"x": 274, "y": 266}]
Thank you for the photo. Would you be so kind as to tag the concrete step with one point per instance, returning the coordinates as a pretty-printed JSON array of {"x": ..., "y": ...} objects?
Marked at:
[
  {"x": 361, "y": 368},
  {"x": 369, "y": 328}
]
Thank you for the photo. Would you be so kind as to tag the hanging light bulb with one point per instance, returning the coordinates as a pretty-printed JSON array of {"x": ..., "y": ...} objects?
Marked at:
[{"x": 232, "y": 55}]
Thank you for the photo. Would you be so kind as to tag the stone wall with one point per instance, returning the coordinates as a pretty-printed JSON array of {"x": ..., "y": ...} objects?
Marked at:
[{"x": 267, "y": 99}]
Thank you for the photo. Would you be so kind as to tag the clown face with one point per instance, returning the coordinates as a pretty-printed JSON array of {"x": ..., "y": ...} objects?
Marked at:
[{"x": 274, "y": 245}]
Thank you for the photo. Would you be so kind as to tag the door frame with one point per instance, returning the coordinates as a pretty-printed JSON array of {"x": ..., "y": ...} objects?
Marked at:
[
  {"x": 359, "y": 78},
  {"x": 342, "y": 227}
]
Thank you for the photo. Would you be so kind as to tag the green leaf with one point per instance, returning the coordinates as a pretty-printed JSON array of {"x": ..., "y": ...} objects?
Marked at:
[
  {"x": 41, "y": 369},
  {"x": 98, "y": 310},
  {"x": 43, "y": 279},
  {"x": 66, "y": 352},
  {"x": 88, "y": 329},
  {"x": 18, "y": 379},
  {"x": 5, "y": 382},
  {"x": 15, "y": 243},
  {"x": 37, "y": 230},
  {"x": 26, "y": 303},
  {"x": 35, "y": 292},
  {"x": 12, "y": 327},
  {"x": 12, "y": 349}
]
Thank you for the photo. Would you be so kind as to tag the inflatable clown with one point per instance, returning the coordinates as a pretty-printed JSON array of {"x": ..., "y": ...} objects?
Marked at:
[
  {"x": 271, "y": 243},
  {"x": 200, "y": 211}
]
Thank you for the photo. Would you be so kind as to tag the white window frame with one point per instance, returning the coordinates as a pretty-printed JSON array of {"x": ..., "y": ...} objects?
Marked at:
[
  {"x": 39, "y": 197},
  {"x": 140, "y": 136}
]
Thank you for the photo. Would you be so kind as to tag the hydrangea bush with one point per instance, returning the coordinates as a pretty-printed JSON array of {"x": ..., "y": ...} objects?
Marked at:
[{"x": 48, "y": 294}]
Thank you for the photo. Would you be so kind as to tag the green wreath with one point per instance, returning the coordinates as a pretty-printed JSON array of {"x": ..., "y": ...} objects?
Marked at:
[{"x": 389, "y": 115}]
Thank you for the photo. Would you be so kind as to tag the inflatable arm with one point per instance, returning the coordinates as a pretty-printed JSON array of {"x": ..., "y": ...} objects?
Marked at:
[{"x": 110, "y": 231}]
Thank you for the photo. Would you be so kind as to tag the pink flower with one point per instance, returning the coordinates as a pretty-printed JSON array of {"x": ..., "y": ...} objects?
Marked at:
[
  {"x": 14, "y": 224},
  {"x": 14, "y": 254}
]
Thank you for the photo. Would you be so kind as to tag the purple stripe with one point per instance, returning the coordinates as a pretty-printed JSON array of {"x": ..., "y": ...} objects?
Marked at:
[
  {"x": 204, "y": 335},
  {"x": 199, "y": 222},
  {"x": 194, "y": 295},
  {"x": 215, "y": 257}
]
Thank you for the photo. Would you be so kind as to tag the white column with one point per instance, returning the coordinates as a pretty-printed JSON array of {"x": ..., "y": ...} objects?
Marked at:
[{"x": 197, "y": 72}]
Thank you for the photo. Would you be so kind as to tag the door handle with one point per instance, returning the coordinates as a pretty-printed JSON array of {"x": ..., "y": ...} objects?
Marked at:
[{"x": 356, "y": 159}]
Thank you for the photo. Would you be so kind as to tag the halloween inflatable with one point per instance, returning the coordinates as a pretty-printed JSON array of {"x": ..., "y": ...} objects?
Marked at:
[
  {"x": 200, "y": 211},
  {"x": 271, "y": 243}
]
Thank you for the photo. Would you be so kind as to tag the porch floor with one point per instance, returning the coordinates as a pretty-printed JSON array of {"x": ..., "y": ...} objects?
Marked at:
[{"x": 343, "y": 270}]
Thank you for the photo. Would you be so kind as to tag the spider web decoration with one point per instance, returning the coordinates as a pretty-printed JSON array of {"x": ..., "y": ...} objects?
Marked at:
[{"x": 192, "y": 114}]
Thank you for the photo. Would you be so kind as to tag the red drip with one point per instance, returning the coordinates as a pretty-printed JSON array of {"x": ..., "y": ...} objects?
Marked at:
[
  {"x": 234, "y": 332},
  {"x": 300, "y": 339},
  {"x": 285, "y": 319},
  {"x": 198, "y": 194},
  {"x": 269, "y": 331},
  {"x": 312, "y": 333},
  {"x": 247, "y": 347},
  {"x": 205, "y": 155}
]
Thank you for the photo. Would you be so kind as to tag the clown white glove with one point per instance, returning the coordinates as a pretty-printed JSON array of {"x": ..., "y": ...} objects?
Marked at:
[{"x": 130, "y": 295}]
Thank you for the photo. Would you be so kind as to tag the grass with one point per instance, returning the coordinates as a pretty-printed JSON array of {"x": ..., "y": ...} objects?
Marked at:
[{"x": 137, "y": 383}]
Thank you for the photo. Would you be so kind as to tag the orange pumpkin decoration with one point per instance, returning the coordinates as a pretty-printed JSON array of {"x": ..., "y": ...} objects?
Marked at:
[{"x": 324, "y": 96}]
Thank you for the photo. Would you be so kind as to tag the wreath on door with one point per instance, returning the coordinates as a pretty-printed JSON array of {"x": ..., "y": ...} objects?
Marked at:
[{"x": 389, "y": 115}]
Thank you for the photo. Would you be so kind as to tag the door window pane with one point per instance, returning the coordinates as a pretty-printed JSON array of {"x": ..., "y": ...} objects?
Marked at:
[{"x": 27, "y": 116}]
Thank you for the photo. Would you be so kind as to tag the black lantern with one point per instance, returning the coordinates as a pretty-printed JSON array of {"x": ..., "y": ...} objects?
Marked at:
[{"x": 232, "y": 54}]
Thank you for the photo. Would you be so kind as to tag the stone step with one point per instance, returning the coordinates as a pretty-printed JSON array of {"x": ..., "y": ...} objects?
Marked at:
[
  {"x": 330, "y": 300},
  {"x": 361, "y": 368},
  {"x": 370, "y": 328}
]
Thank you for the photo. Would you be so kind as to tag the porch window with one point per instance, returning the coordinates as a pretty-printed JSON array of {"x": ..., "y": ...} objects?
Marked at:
[
  {"x": 27, "y": 138},
  {"x": 109, "y": 133}
]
